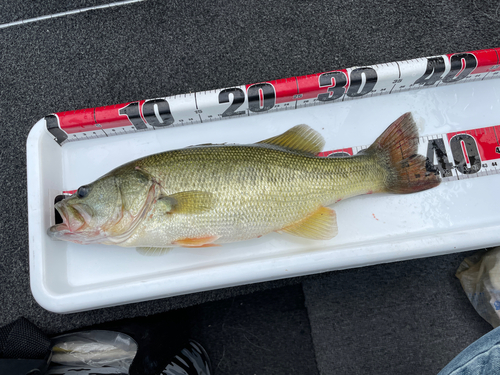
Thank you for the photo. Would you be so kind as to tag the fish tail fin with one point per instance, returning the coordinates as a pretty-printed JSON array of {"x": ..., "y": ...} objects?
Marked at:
[{"x": 396, "y": 149}]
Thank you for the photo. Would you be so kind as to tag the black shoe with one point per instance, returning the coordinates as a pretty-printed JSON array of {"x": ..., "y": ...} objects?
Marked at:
[
  {"x": 77, "y": 370},
  {"x": 192, "y": 360}
]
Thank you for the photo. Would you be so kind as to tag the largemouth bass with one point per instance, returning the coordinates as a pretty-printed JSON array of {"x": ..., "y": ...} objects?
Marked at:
[{"x": 214, "y": 194}]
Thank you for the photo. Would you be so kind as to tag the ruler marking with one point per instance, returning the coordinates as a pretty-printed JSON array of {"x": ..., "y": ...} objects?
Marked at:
[
  {"x": 399, "y": 77},
  {"x": 298, "y": 92},
  {"x": 196, "y": 101},
  {"x": 440, "y": 80},
  {"x": 97, "y": 124},
  {"x": 496, "y": 136},
  {"x": 498, "y": 62},
  {"x": 390, "y": 92},
  {"x": 196, "y": 105}
]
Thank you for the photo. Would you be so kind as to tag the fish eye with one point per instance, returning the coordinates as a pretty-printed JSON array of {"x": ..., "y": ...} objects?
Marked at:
[{"x": 83, "y": 191}]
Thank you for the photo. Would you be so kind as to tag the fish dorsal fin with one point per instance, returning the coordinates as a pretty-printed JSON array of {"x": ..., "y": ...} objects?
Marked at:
[
  {"x": 207, "y": 145},
  {"x": 320, "y": 225},
  {"x": 185, "y": 202},
  {"x": 299, "y": 138},
  {"x": 153, "y": 251}
]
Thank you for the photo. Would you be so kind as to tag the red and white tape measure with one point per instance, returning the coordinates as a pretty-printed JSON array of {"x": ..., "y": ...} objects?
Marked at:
[{"x": 282, "y": 94}]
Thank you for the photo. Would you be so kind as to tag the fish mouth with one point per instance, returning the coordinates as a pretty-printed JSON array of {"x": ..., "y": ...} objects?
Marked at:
[{"x": 75, "y": 219}]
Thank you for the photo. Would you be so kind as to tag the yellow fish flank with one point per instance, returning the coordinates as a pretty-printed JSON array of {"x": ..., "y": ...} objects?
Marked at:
[{"x": 213, "y": 194}]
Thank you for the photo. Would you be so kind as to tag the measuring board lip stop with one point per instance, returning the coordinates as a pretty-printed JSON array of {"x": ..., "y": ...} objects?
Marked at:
[{"x": 270, "y": 96}]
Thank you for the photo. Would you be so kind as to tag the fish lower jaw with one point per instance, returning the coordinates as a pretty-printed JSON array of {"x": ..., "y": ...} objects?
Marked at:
[
  {"x": 58, "y": 228},
  {"x": 61, "y": 232},
  {"x": 55, "y": 232}
]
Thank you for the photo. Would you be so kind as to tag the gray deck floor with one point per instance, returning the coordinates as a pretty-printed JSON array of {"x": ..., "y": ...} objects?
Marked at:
[{"x": 408, "y": 317}]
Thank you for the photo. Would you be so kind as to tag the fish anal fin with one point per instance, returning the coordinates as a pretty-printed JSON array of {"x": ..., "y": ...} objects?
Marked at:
[
  {"x": 197, "y": 241},
  {"x": 320, "y": 225},
  {"x": 153, "y": 251},
  {"x": 299, "y": 138},
  {"x": 186, "y": 202}
]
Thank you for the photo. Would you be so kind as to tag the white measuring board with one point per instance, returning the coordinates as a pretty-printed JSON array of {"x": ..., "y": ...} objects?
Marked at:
[{"x": 459, "y": 128}]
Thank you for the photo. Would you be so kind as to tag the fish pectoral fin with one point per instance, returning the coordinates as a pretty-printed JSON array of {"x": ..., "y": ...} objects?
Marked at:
[
  {"x": 299, "y": 138},
  {"x": 185, "y": 202},
  {"x": 153, "y": 251},
  {"x": 197, "y": 241},
  {"x": 320, "y": 225}
]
